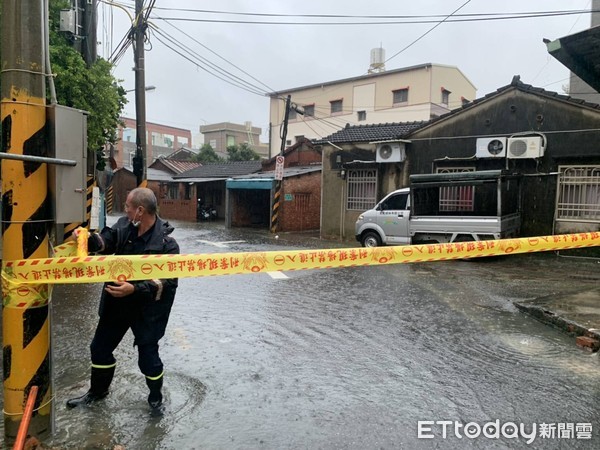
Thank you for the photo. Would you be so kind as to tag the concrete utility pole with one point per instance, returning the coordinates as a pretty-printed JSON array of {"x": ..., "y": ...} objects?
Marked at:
[
  {"x": 277, "y": 196},
  {"x": 89, "y": 30},
  {"x": 139, "y": 161},
  {"x": 26, "y": 215}
]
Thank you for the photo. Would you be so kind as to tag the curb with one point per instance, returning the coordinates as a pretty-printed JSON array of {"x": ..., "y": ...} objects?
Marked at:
[{"x": 551, "y": 318}]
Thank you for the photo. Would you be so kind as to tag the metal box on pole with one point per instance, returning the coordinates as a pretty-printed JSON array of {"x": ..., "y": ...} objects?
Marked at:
[{"x": 67, "y": 134}]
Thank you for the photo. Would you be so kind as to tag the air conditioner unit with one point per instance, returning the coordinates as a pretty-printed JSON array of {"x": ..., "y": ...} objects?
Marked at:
[
  {"x": 491, "y": 147},
  {"x": 525, "y": 147},
  {"x": 392, "y": 152}
]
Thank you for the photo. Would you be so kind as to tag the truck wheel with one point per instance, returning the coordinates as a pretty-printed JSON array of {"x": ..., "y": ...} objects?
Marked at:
[{"x": 371, "y": 239}]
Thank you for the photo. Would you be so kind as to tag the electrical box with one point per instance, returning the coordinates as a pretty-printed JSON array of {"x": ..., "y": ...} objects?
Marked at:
[
  {"x": 67, "y": 20},
  {"x": 67, "y": 139}
]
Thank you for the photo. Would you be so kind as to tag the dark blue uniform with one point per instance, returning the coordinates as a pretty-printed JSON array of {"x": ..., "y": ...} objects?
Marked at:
[{"x": 147, "y": 310}]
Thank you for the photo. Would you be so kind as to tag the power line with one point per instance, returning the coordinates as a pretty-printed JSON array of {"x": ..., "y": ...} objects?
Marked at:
[
  {"x": 382, "y": 16},
  {"x": 386, "y": 22},
  {"x": 428, "y": 31},
  {"x": 228, "y": 78},
  {"x": 216, "y": 54}
]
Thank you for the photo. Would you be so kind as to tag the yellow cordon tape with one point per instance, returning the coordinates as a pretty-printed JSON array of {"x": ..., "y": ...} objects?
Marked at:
[{"x": 16, "y": 275}]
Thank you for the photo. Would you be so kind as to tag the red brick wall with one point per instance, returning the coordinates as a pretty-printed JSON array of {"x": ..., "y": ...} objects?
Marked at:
[
  {"x": 177, "y": 209},
  {"x": 303, "y": 211},
  {"x": 303, "y": 155}
]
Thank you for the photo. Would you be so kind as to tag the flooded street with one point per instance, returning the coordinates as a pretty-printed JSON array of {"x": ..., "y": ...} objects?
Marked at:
[{"x": 335, "y": 359}]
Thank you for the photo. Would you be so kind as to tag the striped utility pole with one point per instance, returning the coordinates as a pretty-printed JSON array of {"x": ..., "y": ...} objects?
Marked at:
[
  {"x": 277, "y": 195},
  {"x": 139, "y": 161},
  {"x": 26, "y": 215}
]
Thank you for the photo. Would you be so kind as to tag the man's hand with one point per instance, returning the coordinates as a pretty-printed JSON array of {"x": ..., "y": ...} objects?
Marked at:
[{"x": 120, "y": 289}]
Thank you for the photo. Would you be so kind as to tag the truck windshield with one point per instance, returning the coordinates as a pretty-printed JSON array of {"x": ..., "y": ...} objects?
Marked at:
[{"x": 395, "y": 202}]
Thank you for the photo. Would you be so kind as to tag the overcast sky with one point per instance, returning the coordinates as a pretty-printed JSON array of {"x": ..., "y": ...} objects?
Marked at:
[{"x": 276, "y": 57}]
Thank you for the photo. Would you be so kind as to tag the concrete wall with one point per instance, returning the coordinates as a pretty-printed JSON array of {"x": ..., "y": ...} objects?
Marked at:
[{"x": 374, "y": 95}]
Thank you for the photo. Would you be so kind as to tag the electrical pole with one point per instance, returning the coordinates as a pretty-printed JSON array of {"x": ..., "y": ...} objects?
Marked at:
[
  {"x": 139, "y": 28},
  {"x": 88, "y": 27},
  {"x": 277, "y": 195},
  {"x": 26, "y": 215}
]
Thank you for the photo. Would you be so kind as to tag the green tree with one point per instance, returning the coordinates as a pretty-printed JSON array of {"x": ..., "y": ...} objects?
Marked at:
[
  {"x": 92, "y": 89},
  {"x": 207, "y": 155},
  {"x": 242, "y": 152}
]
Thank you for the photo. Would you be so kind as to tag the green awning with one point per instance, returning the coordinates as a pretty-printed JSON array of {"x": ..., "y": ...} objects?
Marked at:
[{"x": 249, "y": 183}]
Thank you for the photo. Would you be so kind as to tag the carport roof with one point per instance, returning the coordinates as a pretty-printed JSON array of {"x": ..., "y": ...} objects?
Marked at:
[
  {"x": 370, "y": 133},
  {"x": 288, "y": 172}
]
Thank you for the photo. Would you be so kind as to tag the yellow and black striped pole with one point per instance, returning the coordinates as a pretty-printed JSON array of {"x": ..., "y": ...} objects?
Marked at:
[
  {"x": 278, "y": 185},
  {"x": 26, "y": 216}
]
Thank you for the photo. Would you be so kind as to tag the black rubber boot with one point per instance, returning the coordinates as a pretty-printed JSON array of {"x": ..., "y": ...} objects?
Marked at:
[
  {"x": 155, "y": 398},
  {"x": 100, "y": 382}
]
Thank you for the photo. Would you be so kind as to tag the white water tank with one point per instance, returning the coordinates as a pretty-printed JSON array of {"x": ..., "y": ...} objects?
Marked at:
[{"x": 377, "y": 60}]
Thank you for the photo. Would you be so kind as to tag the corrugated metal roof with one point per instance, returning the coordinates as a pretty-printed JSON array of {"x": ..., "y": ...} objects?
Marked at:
[
  {"x": 179, "y": 166},
  {"x": 158, "y": 175},
  {"x": 288, "y": 172},
  {"x": 580, "y": 52}
]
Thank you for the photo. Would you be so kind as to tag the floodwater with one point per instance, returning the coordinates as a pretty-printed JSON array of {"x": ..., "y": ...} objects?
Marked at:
[{"x": 346, "y": 358}]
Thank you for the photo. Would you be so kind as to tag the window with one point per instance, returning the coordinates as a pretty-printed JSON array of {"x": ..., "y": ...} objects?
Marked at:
[
  {"x": 129, "y": 134},
  {"x": 361, "y": 115},
  {"x": 183, "y": 141},
  {"x": 230, "y": 140},
  {"x": 457, "y": 198},
  {"x": 400, "y": 96},
  {"x": 309, "y": 110},
  {"x": 173, "y": 191},
  {"x": 578, "y": 193},
  {"x": 362, "y": 189},
  {"x": 445, "y": 96},
  {"x": 162, "y": 140},
  {"x": 395, "y": 203},
  {"x": 298, "y": 138},
  {"x": 213, "y": 143},
  {"x": 336, "y": 106}
]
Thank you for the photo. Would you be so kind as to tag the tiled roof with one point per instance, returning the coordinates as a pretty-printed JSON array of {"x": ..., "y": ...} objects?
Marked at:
[
  {"x": 179, "y": 166},
  {"x": 227, "y": 169},
  {"x": 372, "y": 132}
]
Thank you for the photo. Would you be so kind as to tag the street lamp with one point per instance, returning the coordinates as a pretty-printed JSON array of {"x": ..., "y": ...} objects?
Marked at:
[{"x": 147, "y": 88}]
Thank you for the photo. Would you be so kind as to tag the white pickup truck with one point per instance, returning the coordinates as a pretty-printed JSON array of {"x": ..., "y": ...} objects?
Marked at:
[{"x": 445, "y": 207}]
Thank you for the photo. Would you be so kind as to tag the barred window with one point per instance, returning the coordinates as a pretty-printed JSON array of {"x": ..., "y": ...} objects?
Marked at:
[
  {"x": 456, "y": 198},
  {"x": 362, "y": 189},
  {"x": 578, "y": 193}
]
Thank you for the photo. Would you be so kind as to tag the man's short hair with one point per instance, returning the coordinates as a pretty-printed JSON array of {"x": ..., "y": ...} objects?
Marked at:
[{"x": 144, "y": 197}]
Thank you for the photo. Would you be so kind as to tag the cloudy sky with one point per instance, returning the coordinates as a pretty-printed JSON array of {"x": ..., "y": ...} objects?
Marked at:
[{"x": 198, "y": 61}]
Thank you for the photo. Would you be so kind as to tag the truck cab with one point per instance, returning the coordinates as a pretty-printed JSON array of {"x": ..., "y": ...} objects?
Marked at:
[{"x": 387, "y": 222}]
